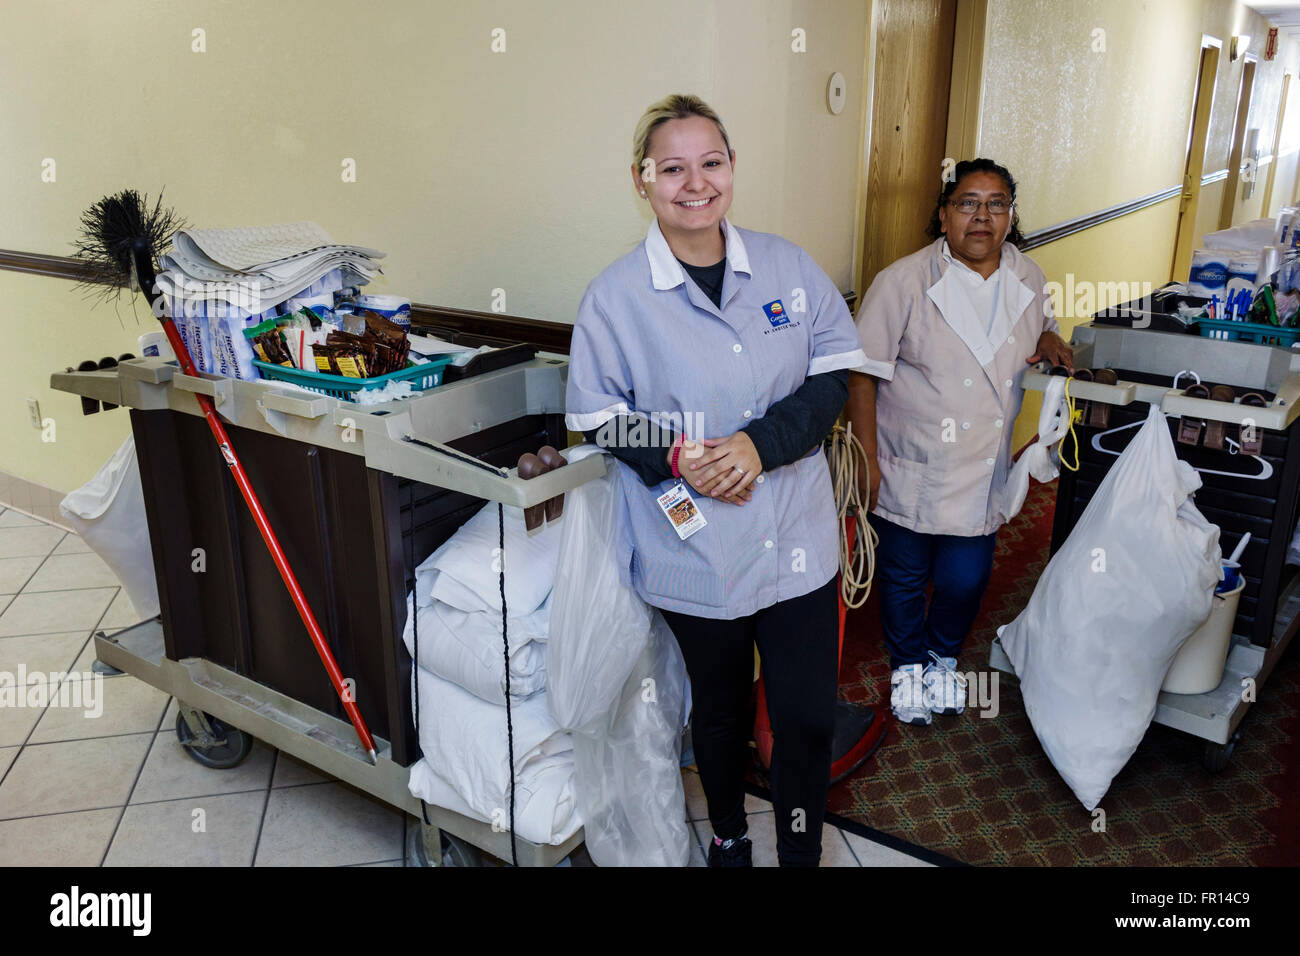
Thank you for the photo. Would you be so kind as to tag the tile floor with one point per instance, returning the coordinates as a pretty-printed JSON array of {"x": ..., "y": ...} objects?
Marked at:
[{"x": 150, "y": 804}]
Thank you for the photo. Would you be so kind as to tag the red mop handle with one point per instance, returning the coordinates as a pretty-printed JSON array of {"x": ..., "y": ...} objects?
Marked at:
[{"x": 272, "y": 543}]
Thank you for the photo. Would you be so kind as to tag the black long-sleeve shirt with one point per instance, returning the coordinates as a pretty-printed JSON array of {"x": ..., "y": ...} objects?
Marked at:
[{"x": 791, "y": 428}]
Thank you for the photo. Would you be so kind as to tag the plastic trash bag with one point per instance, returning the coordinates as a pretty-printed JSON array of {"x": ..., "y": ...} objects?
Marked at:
[
  {"x": 1132, "y": 582},
  {"x": 1037, "y": 460},
  {"x": 599, "y": 626},
  {"x": 108, "y": 513},
  {"x": 617, "y": 682},
  {"x": 627, "y": 772}
]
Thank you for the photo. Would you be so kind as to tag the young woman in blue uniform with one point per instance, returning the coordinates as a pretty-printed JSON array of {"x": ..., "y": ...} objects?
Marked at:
[{"x": 737, "y": 345}]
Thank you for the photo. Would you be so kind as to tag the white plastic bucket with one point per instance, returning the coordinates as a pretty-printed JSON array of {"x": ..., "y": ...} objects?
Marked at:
[{"x": 1198, "y": 668}]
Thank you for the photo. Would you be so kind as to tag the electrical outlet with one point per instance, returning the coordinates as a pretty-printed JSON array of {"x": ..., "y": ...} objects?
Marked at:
[{"x": 34, "y": 410}]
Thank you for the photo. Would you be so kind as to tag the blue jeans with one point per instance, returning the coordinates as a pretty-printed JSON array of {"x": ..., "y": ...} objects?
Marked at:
[{"x": 906, "y": 562}]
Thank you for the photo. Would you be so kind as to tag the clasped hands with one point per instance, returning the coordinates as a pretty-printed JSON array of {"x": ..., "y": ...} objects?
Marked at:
[{"x": 722, "y": 468}]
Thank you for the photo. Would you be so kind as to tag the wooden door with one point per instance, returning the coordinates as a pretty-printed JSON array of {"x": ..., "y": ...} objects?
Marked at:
[
  {"x": 1235, "y": 150},
  {"x": 909, "y": 118},
  {"x": 1266, "y": 207}
]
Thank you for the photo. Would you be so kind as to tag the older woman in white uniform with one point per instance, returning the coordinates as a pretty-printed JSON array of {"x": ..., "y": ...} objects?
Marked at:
[
  {"x": 947, "y": 332},
  {"x": 739, "y": 346}
]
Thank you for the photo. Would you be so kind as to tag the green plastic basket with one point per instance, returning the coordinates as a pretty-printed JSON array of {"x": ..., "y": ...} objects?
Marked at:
[
  {"x": 428, "y": 375},
  {"x": 1228, "y": 331}
]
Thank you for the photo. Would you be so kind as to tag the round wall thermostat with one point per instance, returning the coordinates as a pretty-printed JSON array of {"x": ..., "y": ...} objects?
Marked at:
[{"x": 836, "y": 93}]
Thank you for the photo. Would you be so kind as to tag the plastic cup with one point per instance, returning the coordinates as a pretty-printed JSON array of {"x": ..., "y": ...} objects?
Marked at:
[{"x": 1231, "y": 575}]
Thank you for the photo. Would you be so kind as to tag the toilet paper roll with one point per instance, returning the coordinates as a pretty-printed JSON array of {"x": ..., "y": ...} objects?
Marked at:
[{"x": 1209, "y": 273}]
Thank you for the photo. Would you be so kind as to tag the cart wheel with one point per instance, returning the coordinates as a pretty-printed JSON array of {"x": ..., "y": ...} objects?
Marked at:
[
  {"x": 234, "y": 748},
  {"x": 455, "y": 851},
  {"x": 1215, "y": 757}
]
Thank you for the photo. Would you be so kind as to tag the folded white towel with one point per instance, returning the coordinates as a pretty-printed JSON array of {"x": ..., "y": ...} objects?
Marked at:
[
  {"x": 465, "y": 647},
  {"x": 464, "y": 742},
  {"x": 544, "y": 811}
]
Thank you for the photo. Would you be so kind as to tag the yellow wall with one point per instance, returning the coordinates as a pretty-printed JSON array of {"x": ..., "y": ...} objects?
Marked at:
[
  {"x": 1086, "y": 128},
  {"x": 475, "y": 170},
  {"x": 1083, "y": 129},
  {"x": 51, "y": 327},
  {"x": 1101, "y": 118}
]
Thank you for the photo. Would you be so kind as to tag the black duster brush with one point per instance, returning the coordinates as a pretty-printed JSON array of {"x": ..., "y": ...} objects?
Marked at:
[
  {"x": 119, "y": 242},
  {"x": 120, "y": 237}
]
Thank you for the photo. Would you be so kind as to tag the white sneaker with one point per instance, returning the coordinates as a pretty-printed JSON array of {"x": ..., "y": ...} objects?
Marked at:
[
  {"x": 907, "y": 695},
  {"x": 945, "y": 688}
]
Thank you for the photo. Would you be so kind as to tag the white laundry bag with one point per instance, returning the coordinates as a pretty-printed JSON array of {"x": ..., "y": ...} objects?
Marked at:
[
  {"x": 1132, "y": 582},
  {"x": 108, "y": 513},
  {"x": 617, "y": 682}
]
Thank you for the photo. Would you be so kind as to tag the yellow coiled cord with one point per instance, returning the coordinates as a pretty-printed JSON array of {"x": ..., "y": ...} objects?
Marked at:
[{"x": 1069, "y": 407}]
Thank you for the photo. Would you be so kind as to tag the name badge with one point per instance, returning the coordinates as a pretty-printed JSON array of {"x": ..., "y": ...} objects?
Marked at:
[
  {"x": 679, "y": 507},
  {"x": 775, "y": 313}
]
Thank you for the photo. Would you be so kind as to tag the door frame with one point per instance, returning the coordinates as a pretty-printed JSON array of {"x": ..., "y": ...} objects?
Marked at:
[
  {"x": 966, "y": 90},
  {"x": 1207, "y": 73},
  {"x": 864, "y": 155}
]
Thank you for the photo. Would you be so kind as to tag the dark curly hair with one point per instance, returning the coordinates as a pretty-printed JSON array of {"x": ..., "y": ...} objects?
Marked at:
[{"x": 963, "y": 169}]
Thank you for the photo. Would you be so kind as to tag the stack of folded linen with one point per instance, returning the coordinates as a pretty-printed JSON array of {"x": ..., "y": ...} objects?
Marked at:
[
  {"x": 218, "y": 281},
  {"x": 258, "y": 267},
  {"x": 459, "y": 685}
]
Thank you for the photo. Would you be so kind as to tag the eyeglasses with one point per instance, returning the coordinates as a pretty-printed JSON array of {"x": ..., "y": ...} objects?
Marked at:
[{"x": 996, "y": 207}]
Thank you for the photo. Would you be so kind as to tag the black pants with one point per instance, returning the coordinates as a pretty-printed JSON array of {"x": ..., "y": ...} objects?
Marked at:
[{"x": 799, "y": 643}]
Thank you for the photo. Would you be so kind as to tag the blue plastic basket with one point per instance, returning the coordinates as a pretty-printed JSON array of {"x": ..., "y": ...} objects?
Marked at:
[
  {"x": 428, "y": 375},
  {"x": 1229, "y": 331}
]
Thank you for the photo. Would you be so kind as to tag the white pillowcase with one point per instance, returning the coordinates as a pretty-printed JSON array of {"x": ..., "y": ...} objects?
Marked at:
[{"x": 464, "y": 571}]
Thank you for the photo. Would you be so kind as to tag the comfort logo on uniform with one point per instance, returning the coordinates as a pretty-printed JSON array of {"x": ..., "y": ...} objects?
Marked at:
[{"x": 775, "y": 313}]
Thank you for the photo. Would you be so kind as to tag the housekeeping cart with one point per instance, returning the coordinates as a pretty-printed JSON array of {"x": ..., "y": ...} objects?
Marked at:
[
  {"x": 1241, "y": 492},
  {"x": 353, "y": 491}
]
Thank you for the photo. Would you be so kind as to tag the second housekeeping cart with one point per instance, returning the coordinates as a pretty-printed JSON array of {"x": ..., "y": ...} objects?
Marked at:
[
  {"x": 1240, "y": 492},
  {"x": 353, "y": 491}
]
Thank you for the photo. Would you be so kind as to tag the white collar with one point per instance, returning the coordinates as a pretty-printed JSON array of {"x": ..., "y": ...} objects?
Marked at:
[
  {"x": 959, "y": 312},
  {"x": 965, "y": 270},
  {"x": 666, "y": 272}
]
